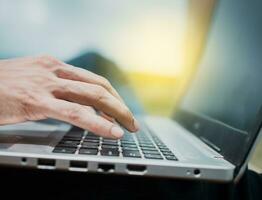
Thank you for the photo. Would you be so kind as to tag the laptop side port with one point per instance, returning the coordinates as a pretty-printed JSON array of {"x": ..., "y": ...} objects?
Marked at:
[
  {"x": 106, "y": 167},
  {"x": 23, "y": 161},
  {"x": 78, "y": 164},
  {"x": 197, "y": 172},
  {"x": 46, "y": 163},
  {"x": 136, "y": 168}
]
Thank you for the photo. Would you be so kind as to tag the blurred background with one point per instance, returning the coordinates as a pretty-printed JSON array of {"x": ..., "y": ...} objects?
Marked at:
[{"x": 156, "y": 43}]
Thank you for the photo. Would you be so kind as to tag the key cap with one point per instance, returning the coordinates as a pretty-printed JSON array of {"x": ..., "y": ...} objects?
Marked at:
[
  {"x": 92, "y": 134},
  {"x": 109, "y": 152},
  {"x": 91, "y": 140},
  {"x": 147, "y": 145},
  {"x": 109, "y": 147},
  {"x": 69, "y": 142},
  {"x": 90, "y": 143},
  {"x": 134, "y": 154},
  {"x": 165, "y": 151},
  {"x": 91, "y": 137},
  {"x": 128, "y": 142},
  {"x": 110, "y": 143},
  {"x": 90, "y": 146},
  {"x": 129, "y": 148},
  {"x": 110, "y": 140},
  {"x": 153, "y": 156},
  {"x": 128, "y": 145},
  {"x": 171, "y": 158},
  {"x": 168, "y": 153},
  {"x": 148, "y": 148},
  {"x": 64, "y": 150},
  {"x": 75, "y": 134},
  {"x": 151, "y": 152},
  {"x": 66, "y": 145},
  {"x": 77, "y": 139},
  {"x": 88, "y": 151}
]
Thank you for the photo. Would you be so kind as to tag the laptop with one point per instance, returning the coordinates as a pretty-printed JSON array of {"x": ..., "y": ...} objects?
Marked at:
[{"x": 210, "y": 136}]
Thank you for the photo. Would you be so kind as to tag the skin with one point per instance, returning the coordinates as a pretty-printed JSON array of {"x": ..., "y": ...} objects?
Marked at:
[{"x": 35, "y": 88}]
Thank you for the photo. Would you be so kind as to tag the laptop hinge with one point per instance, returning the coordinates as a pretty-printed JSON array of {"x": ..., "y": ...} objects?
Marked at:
[{"x": 210, "y": 144}]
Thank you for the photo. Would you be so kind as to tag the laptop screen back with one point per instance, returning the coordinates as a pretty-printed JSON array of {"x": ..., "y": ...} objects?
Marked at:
[{"x": 226, "y": 90}]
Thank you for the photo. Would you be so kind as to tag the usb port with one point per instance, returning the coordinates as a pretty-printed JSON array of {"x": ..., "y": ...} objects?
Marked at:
[
  {"x": 46, "y": 162},
  {"x": 104, "y": 167},
  {"x": 136, "y": 168},
  {"x": 78, "y": 164}
]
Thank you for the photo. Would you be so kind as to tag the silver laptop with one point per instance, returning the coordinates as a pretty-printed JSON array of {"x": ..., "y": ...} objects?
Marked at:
[{"x": 212, "y": 132}]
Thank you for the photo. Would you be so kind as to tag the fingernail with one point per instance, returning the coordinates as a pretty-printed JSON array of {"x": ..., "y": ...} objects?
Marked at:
[
  {"x": 136, "y": 124},
  {"x": 117, "y": 132}
]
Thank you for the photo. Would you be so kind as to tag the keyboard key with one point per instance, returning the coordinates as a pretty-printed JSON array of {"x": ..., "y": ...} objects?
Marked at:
[
  {"x": 147, "y": 145},
  {"x": 91, "y": 140},
  {"x": 72, "y": 138},
  {"x": 151, "y": 152},
  {"x": 110, "y": 143},
  {"x": 64, "y": 150},
  {"x": 164, "y": 149},
  {"x": 92, "y": 134},
  {"x": 75, "y": 134},
  {"x": 129, "y": 145},
  {"x": 148, "y": 148},
  {"x": 109, "y": 152},
  {"x": 134, "y": 154},
  {"x": 92, "y": 137},
  {"x": 110, "y": 140},
  {"x": 67, "y": 145},
  {"x": 90, "y": 146},
  {"x": 87, "y": 151},
  {"x": 171, "y": 158},
  {"x": 153, "y": 156},
  {"x": 128, "y": 142},
  {"x": 130, "y": 148},
  {"x": 110, "y": 147},
  {"x": 69, "y": 142},
  {"x": 168, "y": 153}
]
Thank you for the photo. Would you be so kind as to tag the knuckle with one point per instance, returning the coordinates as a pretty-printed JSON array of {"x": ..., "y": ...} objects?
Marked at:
[
  {"x": 44, "y": 79},
  {"x": 105, "y": 83},
  {"x": 100, "y": 93},
  {"x": 47, "y": 61},
  {"x": 60, "y": 88},
  {"x": 74, "y": 113},
  {"x": 94, "y": 127}
]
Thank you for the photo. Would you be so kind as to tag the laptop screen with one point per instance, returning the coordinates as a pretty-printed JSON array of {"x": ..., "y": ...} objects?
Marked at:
[{"x": 227, "y": 87}]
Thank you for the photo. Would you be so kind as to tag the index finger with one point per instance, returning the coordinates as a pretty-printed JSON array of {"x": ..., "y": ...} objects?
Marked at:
[{"x": 77, "y": 74}]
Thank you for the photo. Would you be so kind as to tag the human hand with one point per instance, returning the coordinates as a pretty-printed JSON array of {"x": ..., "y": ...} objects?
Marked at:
[{"x": 35, "y": 88}]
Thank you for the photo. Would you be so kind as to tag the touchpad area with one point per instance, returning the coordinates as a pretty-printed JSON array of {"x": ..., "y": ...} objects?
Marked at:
[{"x": 29, "y": 133}]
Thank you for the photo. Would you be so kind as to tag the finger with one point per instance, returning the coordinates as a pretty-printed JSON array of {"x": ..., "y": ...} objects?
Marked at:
[
  {"x": 107, "y": 117},
  {"x": 90, "y": 109},
  {"x": 74, "y": 73},
  {"x": 81, "y": 116},
  {"x": 99, "y": 98}
]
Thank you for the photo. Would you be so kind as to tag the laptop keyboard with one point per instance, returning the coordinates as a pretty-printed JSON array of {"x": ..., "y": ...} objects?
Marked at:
[{"x": 136, "y": 145}]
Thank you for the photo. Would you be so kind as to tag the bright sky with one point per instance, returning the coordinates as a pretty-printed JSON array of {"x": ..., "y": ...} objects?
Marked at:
[{"x": 138, "y": 35}]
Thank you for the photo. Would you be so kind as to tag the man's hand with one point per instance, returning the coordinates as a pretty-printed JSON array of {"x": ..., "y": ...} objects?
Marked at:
[{"x": 35, "y": 88}]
